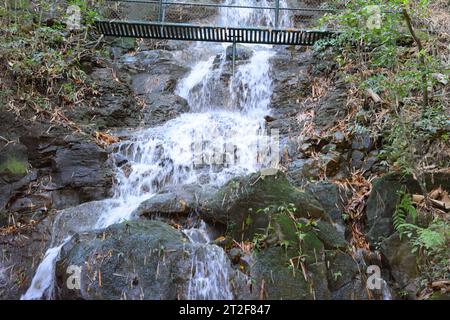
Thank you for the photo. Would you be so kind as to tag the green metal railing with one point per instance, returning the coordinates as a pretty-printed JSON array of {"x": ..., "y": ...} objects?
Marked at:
[{"x": 160, "y": 28}]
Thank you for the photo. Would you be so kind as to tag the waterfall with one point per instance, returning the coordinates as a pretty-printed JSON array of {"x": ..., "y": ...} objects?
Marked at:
[
  {"x": 222, "y": 137},
  {"x": 42, "y": 283}
]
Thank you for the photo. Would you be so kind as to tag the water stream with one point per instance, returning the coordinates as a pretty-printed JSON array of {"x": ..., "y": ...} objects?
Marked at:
[{"x": 222, "y": 137}]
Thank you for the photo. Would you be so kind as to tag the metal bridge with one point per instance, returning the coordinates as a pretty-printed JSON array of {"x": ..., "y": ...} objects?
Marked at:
[{"x": 173, "y": 20}]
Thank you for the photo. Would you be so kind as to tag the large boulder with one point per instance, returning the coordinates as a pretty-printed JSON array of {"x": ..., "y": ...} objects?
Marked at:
[
  {"x": 274, "y": 279},
  {"x": 143, "y": 260},
  {"x": 133, "y": 260},
  {"x": 73, "y": 168},
  {"x": 240, "y": 203}
]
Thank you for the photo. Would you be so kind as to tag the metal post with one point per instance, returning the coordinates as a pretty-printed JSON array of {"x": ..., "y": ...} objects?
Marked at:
[
  {"x": 277, "y": 13},
  {"x": 161, "y": 14},
  {"x": 234, "y": 56},
  {"x": 161, "y": 11}
]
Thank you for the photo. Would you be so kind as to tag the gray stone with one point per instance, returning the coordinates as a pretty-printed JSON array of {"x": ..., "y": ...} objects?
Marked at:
[
  {"x": 362, "y": 142},
  {"x": 174, "y": 201},
  {"x": 357, "y": 159},
  {"x": 242, "y": 53},
  {"x": 330, "y": 197},
  {"x": 401, "y": 260}
]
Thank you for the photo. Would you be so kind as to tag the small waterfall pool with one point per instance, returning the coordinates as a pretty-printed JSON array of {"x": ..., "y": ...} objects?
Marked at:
[{"x": 222, "y": 137}]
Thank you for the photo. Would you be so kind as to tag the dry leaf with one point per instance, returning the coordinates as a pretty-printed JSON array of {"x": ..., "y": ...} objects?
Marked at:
[
  {"x": 435, "y": 194},
  {"x": 105, "y": 139}
]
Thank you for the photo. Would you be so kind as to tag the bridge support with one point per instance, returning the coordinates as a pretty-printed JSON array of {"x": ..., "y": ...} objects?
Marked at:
[
  {"x": 277, "y": 13},
  {"x": 161, "y": 14},
  {"x": 234, "y": 56},
  {"x": 161, "y": 11}
]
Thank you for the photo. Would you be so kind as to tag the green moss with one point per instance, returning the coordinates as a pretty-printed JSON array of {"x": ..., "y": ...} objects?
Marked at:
[{"x": 14, "y": 166}]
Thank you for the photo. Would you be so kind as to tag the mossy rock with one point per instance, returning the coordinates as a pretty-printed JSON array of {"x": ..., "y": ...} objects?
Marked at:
[
  {"x": 343, "y": 269},
  {"x": 238, "y": 204},
  {"x": 330, "y": 237},
  {"x": 13, "y": 162},
  {"x": 316, "y": 236},
  {"x": 280, "y": 282},
  {"x": 284, "y": 229},
  {"x": 312, "y": 247},
  {"x": 14, "y": 166}
]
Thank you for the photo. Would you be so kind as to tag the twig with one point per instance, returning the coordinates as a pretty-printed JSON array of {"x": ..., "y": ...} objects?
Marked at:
[{"x": 421, "y": 56}]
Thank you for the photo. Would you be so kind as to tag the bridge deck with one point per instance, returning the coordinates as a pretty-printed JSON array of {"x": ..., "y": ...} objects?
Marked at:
[{"x": 178, "y": 31}]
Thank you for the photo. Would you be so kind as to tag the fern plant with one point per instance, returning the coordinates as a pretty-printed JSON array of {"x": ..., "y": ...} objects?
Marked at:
[
  {"x": 432, "y": 239},
  {"x": 404, "y": 209}
]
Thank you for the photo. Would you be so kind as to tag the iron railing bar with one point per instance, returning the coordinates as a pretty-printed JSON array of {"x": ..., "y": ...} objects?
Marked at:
[
  {"x": 168, "y": 24},
  {"x": 212, "y": 34}
]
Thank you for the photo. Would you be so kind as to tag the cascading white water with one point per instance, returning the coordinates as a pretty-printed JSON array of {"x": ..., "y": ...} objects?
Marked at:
[
  {"x": 45, "y": 275},
  {"x": 222, "y": 137},
  {"x": 209, "y": 274},
  {"x": 209, "y": 267}
]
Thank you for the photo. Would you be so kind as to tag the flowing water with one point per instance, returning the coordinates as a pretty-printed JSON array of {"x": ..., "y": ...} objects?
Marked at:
[{"x": 222, "y": 137}]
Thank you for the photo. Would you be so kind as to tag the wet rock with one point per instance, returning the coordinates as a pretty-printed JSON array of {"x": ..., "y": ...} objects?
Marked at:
[
  {"x": 9, "y": 191},
  {"x": 132, "y": 260},
  {"x": 242, "y": 53},
  {"x": 330, "y": 236},
  {"x": 121, "y": 46},
  {"x": 275, "y": 280},
  {"x": 19, "y": 256},
  {"x": 153, "y": 71},
  {"x": 82, "y": 165},
  {"x": 301, "y": 170},
  {"x": 355, "y": 290},
  {"x": 138, "y": 260},
  {"x": 79, "y": 218},
  {"x": 174, "y": 201},
  {"x": 342, "y": 271},
  {"x": 160, "y": 108},
  {"x": 31, "y": 203},
  {"x": 237, "y": 203},
  {"x": 71, "y": 168}
]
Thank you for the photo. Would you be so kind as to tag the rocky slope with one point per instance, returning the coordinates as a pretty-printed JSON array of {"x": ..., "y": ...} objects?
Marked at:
[{"x": 301, "y": 251}]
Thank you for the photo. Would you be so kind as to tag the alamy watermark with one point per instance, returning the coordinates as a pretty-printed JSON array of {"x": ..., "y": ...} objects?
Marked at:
[
  {"x": 74, "y": 280},
  {"x": 73, "y": 17},
  {"x": 374, "y": 17},
  {"x": 223, "y": 150}
]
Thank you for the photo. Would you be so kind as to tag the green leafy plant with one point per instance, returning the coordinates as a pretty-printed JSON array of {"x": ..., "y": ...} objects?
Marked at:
[{"x": 404, "y": 209}]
